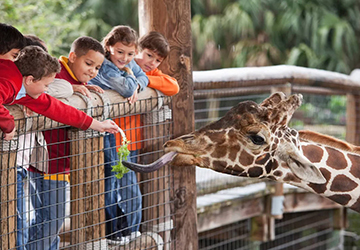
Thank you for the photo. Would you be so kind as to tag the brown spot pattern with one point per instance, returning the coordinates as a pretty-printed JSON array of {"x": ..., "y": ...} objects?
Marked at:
[
  {"x": 291, "y": 177},
  {"x": 206, "y": 162},
  {"x": 255, "y": 171},
  {"x": 336, "y": 159},
  {"x": 321, "y": 188},
  {"x": 234, "y": 150},
  {"x": 278, "y": 173},
  {"x": 356, "y": 205},
  {"x": 268, "y": 167},
  {"x": 220, "y": 151},
  {"x": 245, "y": 158},
  {"x": 313, "y": 153},
  {"x": 355, "y": 165},
  {"x": 342, "y": 183},
  {"x": 216, "y": 137},
  {"x": 262, "y": 159},
  {"x": 342, "y": 199},
  {"x": 237, "y": 168}
]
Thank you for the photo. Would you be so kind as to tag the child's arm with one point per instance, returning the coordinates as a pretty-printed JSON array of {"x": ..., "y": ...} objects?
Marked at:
[
  {"x": 109, "y": 78},
  {"x": 60, "y": 112},
  {"x": 140, "y": 75},
  {"x": 163, "y": 82}
]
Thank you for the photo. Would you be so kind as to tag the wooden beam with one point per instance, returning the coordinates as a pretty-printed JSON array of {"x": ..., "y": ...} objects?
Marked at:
[
  {"x": 172, "y": 18},
  {"x": 7, "y": 199}
]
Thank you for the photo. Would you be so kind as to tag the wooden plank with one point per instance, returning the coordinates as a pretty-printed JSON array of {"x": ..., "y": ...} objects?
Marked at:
[
  {"x": 300, "y": 202},
  {"x": 229, "y": 212},
  {"x": 172, "y": 18},
  {"x": 156, "y": 186},
  {"x": 8, "y": 200},
  {"x": 353, "y": 118},
  {"x": 87, "y": 189}
]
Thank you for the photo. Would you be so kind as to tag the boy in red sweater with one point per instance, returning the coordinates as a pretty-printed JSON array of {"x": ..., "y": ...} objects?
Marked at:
[
  {"x": 25, "y": 81},
  {"x": 85, "y": 59}
]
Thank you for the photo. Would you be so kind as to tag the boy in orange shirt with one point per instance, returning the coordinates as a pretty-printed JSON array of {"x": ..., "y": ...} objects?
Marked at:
[{"x": 153, "y": 49}]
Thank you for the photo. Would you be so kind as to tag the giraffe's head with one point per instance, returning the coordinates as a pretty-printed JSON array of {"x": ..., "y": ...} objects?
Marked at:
[{"x": 251, "y": 140}]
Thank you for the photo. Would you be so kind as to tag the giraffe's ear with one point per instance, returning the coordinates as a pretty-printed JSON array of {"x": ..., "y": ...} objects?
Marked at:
[{"x": 305, "y": 170}]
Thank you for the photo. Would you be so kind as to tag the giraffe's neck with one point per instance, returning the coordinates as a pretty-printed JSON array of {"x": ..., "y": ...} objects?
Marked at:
[{"x": 341, "y": 169}]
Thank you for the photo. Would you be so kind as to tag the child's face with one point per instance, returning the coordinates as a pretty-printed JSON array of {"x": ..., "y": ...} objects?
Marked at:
[
  {"x": 148, "y": 60},
  {"x": 120, "y": 54},
  {"x": 10, "y": 55},
  {"x": 35, "y": 88},
  {"x": 86, "y": 67}
]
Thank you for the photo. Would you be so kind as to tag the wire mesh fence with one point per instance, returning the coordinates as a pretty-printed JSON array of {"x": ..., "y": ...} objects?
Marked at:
[
  {"x": 310, "y": 230},
  {"x": 58, "y": 189},
  {"x": 322, "y": 112}
]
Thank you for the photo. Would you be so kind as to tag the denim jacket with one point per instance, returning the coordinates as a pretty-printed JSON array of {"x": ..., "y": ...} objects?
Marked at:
[{"x": 111, "y": 77}]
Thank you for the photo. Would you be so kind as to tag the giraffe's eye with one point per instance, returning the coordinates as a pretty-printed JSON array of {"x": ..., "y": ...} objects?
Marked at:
[{"x": 257, "y": 139}]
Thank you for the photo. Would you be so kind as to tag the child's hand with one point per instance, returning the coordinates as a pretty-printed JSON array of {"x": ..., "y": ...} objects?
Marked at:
[
  {"x": 104, "y": 126},
  {"x": 82, "y": 90},
  {"x": 95, "y": 88},
  {"x": 28, "y": 111},
  {"x": 9, "y": 136},
  {"x": 132, "y": 99},
  {"x": 128, "y": 70}
]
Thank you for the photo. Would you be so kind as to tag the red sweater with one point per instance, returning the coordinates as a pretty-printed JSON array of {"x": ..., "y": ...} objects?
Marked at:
[
  {"x": 10, "y": 85},
  {"x": 57, "y": 139}
]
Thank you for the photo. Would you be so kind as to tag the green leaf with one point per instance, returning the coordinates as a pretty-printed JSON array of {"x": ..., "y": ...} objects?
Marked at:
[{"x": 123, "y": 153}]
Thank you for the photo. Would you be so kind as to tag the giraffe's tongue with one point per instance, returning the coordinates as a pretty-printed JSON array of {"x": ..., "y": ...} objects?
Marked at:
[{"x": 162, "y": 161}]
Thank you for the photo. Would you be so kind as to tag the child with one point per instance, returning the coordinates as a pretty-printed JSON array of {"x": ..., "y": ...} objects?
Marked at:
[
  {"x": 153, "y": 49},
  {"x": 85, "y": 59},
  {"x": 11, "y": 42},
  {"x": 121, "y": 73}
]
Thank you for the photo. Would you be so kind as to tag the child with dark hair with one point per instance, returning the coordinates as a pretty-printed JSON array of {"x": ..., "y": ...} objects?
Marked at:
[
  {"x": 11, "y": 42},
  {"x": 35, "y": 40},
  {"x": 121, "y": 73},
  {"x": 24, "y": 82},
  {"x": 153, "y": 49},
  {"x": 49, "y": 182}
]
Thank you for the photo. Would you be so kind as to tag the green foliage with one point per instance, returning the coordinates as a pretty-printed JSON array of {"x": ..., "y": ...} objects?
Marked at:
[
  {"x": 311, "y": 33},
  {"x": 123, "y": 153},
  {"x": 53, "y": 21}
]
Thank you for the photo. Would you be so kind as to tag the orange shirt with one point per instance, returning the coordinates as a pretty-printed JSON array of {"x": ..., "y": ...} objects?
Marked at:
[{"x": 132, "y": 124}]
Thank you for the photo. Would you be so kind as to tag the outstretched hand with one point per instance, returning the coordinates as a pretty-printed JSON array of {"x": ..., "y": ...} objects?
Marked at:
[
  {"x": 9, "y": 136},
  {"x": 104, "y": 126}
]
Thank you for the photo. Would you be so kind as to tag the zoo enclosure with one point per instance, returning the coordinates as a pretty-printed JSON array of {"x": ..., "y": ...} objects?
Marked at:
[{"x": 215, "y": 92}]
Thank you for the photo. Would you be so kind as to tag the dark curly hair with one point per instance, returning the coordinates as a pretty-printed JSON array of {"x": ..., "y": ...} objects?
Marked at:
[{"x": 34, "y": 61}]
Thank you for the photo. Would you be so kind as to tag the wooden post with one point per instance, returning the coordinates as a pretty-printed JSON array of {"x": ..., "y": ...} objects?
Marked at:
[
  {"x": 87, "y": 189},
  {"x": 7, "y": 195},
  {"x": 172, "y": 18},
  {"x": 353, "y": 119}
]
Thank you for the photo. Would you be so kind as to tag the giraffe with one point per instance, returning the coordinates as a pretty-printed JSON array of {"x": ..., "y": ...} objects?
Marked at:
[{"x": 255, "y": 141}]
